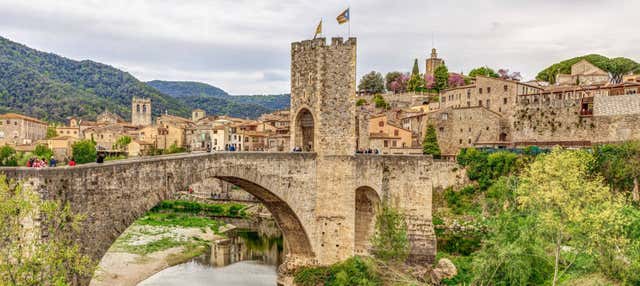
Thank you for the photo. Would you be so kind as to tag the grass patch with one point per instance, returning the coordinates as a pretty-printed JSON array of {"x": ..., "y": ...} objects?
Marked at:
[
  {"x": 226, "y": 209},
  {"x": 172, "y": 219},
  {"x": 151, "y": 247},
  {"x": 353, "y": 271}
]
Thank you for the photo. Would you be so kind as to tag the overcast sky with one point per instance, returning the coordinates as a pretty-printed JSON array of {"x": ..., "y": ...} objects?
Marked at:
[{"x": 243, "y": 46}]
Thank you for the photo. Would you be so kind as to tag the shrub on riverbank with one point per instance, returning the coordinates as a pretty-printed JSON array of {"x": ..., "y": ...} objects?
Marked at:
[
  {"x": 228, "y": 209},
  {"x": 353, "y": 271}
]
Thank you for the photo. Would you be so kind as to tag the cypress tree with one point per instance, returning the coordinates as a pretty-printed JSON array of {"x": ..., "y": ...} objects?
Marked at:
[
  {"x": 430, "y": 143},
  {"x": 416, "y": 69}
]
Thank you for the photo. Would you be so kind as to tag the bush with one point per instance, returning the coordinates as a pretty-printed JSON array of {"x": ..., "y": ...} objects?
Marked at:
[
  {"x": 361, "y": 102},
  {"x": 379, "y": 101},
  {"x": 43, "y": 151},
  {"x": 354, "y": 271},
  {"x": 84, "y": 151},
  {"x": 7, "y": 156},
  {"x": 390, "y": 241}
]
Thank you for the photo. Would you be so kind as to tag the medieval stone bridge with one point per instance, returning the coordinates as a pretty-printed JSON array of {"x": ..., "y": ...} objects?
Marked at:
[{"x": 324, "y": 205}]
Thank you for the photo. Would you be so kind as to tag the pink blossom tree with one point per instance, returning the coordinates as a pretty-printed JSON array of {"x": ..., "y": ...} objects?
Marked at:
[
  {"x": 429, "y": 81},
  {"x": 505, "y": 74},
  {"x": 400, "y": 84},
  {"x": 455, "y": 80}
]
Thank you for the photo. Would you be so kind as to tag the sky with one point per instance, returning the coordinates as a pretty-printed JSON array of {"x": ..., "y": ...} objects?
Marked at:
[{"x": 243, "y": 46}]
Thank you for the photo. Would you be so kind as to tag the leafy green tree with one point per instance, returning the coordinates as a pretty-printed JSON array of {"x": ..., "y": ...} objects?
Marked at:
[
  {"x": 372, "y": 82},
  {"x": 173, "y": 148},
  {"x": 84, "y": 151},
  {"x": 51, "y": 131},
  {"x": 390, "y": 78},
  {"x": 390, "y": 241},
  {"x": 430, "y": 143},
  {"x": 483, "y": 71},
  {"x": 618, "y": 67},
  {"x": 441, "y": 75},
  {"x": 571, "y": 207},
  {"x": 43, "y": 151},
  {"x": 7, "y": 156},
  {"x": 415, "y": 70},
  {"x": 122, "y": 143},
  {"x": 416, "y": 83},
  {"x": 361, "y": 102},
  {"x": 620, "y": 166},
  {"x": 27, "y": 259}
]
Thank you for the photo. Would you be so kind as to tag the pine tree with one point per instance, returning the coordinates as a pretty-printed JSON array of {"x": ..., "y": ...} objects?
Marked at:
[
  {"x": 416, "y": 69},
  {"x": 430, "y": 144}
]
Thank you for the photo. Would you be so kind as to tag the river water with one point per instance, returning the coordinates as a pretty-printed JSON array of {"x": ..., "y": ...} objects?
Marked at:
[{"x": 247, "y": 258}]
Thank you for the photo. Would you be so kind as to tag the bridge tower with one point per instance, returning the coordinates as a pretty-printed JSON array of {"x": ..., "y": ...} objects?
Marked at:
[{"x": 323, "y": 89}]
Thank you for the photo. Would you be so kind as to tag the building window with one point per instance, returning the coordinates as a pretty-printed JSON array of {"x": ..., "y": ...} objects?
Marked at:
[
  {"x": 468, "y": 103},
  {"x": 480, "y": 90},
  {"x": 487, "y": 128},
  {"x": 488, "y": 89},
  {"x": 144, "y": 109},
  {"x": 137, "y": 107},
  {"x": 505, "y": 100},
  {"x": 480, "y": 102},
  {"x": 469, "y": 140},
  {"x": 488, "y": 103},
  {"x": 506, "y": 87},
  {"x": 394, "y": 143},
  {"x": 460, "y": 142},
  {"x": 386, "y": 143},
  {"x": 381, "y": 123},
  {"x": 441, "y": 129},
  {"x": 395, "y": 132}
]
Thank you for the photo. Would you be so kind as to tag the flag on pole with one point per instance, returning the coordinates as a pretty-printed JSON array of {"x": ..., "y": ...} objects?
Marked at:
[
  {"x": 318, "y": 29},
  {"x": 343, "y": 17}
]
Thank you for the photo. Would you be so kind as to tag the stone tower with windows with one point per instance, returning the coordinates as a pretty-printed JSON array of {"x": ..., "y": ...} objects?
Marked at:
[
  {"x": 323, "y": 87},
  {"x": 433, "y": 62},
  {"x": 141, "y": 111}
]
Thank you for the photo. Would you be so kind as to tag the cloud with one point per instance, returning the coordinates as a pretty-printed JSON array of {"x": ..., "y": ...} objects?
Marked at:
[{"x": 243, "y": 46}]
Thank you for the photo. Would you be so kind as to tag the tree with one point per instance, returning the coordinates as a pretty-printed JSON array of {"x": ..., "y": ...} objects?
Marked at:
[
  {"x": 7, "y": 156},
  {"x": 456, "y": 79},
  {"x": 400, "y": 84},
  {"x": 390, "y": 241},
  {"x": 441, "y": 75},
  {"x": 483, "y": 71},
  {"x": 122, "y": 143},
  {"x": 415, "y": 70},
  {"x": 25, "y": 257},
  {"x": 430, "y": 143},
  {"x": 390, "y": 78},
  {"x": 43, "y": 151},
  {"x": 618, "y": 67},
  {"x": 505, "y": 74},
  {"x": 416, "y": 83},
  {"x": 51, "y": 131},
  {"x": 429, "y": 81},
  {"x": 372, "y": 83},
  {"x": 572, "y": 207},
  {"x": 620, "y": 166},
  {"x": 84, "y": 151}
]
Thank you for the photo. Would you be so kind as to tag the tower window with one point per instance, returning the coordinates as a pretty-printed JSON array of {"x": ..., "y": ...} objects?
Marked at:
[
  {"x": 144, "y": 109},
  {"x": 137, "y": 107}
]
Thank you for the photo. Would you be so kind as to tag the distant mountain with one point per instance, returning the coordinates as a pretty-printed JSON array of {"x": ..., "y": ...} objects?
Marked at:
[
  {"x": 187, "y": 88},
  {"x": 615, "y": 66},
  {"x": 217, "y": 101},
  {"x": 51, "y": 87}
]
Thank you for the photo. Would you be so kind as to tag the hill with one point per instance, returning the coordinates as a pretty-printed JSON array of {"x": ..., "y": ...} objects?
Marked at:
[
  {"x": 51, "y": 87},
  {"x": 198, "y": 92},
  {"x": 615, "y": 66}
]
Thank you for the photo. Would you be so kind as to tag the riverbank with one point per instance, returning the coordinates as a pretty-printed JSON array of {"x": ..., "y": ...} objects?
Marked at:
[{"x": 172, "y": 233}]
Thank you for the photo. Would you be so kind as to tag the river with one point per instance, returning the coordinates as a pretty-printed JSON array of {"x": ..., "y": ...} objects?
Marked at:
[{"x": 243, "y": 258}]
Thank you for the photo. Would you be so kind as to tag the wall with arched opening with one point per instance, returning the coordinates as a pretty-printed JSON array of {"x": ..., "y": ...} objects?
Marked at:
[
  {"x": 305, "y": 130},
  {"x": 367, "y": 204}
]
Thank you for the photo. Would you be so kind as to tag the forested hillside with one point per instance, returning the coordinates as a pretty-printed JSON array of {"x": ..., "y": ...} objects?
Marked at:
[
  {"x": 52, "y": 87},
  {"x": 615, "y": 66},
  {"x": 215, "y": 100}
]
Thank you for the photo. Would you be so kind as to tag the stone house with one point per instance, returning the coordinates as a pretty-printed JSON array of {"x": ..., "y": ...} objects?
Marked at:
[
  {"x": 17, "y": 129},
  {"x": 391, "y": 134},
  {"x": 583, "y": 73},
  {"x": 61, "y": 146},
  {"x": 139, "y": 148},
  {"x": 458, "y": 128},
  {"x": 174, "y": 131},
  {"x": 106, "y": 136}
]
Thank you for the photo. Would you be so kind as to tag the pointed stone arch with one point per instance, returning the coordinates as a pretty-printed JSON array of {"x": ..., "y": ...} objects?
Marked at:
[
  {"x": 367, "y": 204},
  {"x": 304, "y": 133}
]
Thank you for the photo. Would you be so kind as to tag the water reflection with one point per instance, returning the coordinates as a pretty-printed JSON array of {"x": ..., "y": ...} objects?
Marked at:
[{"x": 244, "y": 257}]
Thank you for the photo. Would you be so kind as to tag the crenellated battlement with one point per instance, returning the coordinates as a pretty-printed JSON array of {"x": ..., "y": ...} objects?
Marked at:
[{"x": 322, "y": 43}]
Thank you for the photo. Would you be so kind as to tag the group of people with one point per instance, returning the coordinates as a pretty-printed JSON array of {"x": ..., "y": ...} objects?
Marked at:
[
  {"x": 367, "y": 151},
  {"x": 41, "y": 163}
]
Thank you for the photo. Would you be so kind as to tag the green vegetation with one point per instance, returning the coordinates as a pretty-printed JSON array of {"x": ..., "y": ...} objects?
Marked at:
[
  {"x": 43, "y": 151},
  {"x": 379, "y": 101},
  {"x": 361, "y": 102},
  {"x": 483, "y": 71},
  {"x": 51, "y": 87},
  {"x": 353, "y": 271},
  {"x": 391, "y": 77},
  {"x": 416, "y": 83},
  {"x": 390, "y": 241},
  {"x": 54, "y": 261},
  {"x": 122, "y": 143},
  {"x": 543, "y": 219},
  {"x": 228, "y": 209},
  {"x": 84, "y": 151},
  {"x": 8, "y": 156},
  {"x": 51, "y": 131},
  {"x": 372, "y": 83},
  {"x": 617, "y": 67},
  {"x": 430, "y": 143},
  {"x": 441, "y": 75},
  {"x": 216, "y": 101},
  {"x": 173, "y": 149}
]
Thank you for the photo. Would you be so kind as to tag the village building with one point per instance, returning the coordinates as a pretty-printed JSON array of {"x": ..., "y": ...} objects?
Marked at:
[
  {"x": 583, "y": 73},
  {"x": 141, "y": 111},
  {"x": 385, "y": 134},
  {"x": 61, "y": 146},
  {"x": 17, "y": 129},
  {"x": 433, "y": 62}
]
